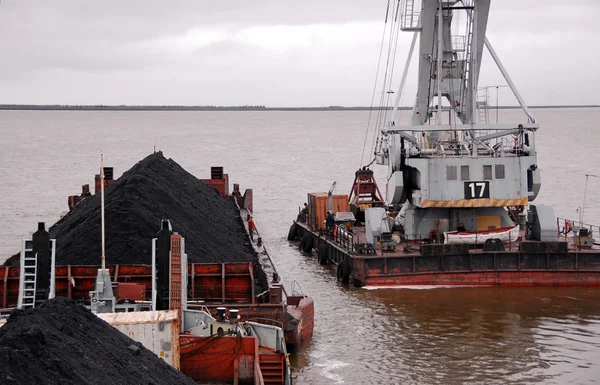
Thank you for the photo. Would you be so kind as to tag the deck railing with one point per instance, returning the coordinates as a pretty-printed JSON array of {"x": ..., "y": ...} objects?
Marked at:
[
  {"x": 566, "y": 226},
  {"x": 344, "y": 238}
]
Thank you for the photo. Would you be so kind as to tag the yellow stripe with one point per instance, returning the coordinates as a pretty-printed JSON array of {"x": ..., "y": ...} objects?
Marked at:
[{"x": 483, "y": 202}]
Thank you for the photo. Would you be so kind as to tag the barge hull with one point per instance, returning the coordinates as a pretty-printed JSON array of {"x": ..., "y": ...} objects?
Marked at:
[
  {"x": 524, "y": 264},
  {"x": 505, "y": 278},
  {"x": 210, "y": 285}
]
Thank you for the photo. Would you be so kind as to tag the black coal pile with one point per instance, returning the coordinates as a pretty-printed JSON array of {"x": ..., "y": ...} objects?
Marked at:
[
  {"x": 155, "y": 188},
  {"x": 60, "y": 342}
]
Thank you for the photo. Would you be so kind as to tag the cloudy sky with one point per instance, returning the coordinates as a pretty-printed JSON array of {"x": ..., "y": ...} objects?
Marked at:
[{"x": 266, "y": 52}]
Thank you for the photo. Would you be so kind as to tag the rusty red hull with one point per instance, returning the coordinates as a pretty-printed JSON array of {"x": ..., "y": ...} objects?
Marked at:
[
  {"x": 522, "y": 264},
  {"x": 215, "y": 284},
  {"x": 521, "y": 278},
  {"x": 303, "y": 312},
  {"x": 221, "y": 283},
  {"x": 480, "y": 269},
  {"x": 223, "y": 359},
  {"x": 233, "y": 360}
]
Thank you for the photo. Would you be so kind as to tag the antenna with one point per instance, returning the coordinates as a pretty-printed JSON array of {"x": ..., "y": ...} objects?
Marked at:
[
  {"x": 102, "y": 208},
  {"x": 584, "y": 193}
]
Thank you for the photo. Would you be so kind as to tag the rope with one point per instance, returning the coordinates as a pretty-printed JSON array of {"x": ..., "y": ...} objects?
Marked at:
[
  {"x": 384, "y": 99},
  {"x": 375, "y": 85},
  {"x": 395, "y": 31}
]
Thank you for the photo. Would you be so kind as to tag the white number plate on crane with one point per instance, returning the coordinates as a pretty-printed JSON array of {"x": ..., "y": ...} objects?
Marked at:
[{"x": 477, "y": 190}]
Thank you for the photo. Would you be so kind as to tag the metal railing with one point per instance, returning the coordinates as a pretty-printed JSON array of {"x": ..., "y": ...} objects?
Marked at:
[
  {"x": 266, "y": 321},
  {"x": 459, "y": 46},
  {"x": 293, "y": 288},
  {"x": 566, "y": 226},
  {"x": 571, "y": 231},
  {"x": 409, "y": 19},
  {"x": 344, "y": 238}
]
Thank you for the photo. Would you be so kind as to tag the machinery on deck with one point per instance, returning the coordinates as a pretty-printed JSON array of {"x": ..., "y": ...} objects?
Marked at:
[
  {"x": 457, "y": 208},
  {"x": 449, "y": 165}
]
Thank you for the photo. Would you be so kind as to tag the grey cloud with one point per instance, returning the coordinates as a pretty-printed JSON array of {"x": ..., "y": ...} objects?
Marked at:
[{"x": 127, "y": 52}]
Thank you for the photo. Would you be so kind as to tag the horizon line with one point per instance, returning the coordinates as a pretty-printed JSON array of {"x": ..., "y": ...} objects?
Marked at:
[{"x": 139, "y": 107}]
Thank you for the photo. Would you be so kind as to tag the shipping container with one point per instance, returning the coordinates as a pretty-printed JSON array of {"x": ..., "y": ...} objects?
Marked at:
[
  {"x": 158, "y": 331},
  {"x": 318, "y": 204}
]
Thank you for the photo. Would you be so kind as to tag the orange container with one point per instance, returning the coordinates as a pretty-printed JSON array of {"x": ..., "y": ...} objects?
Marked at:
[{"x": 318, "y": 204}]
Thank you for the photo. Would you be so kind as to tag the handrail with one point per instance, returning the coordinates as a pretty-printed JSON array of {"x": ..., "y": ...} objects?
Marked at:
[
  {"x": 343, "y": 240},
  {"x": 294, "y": 284},
  {"x": 266, "y": 321},
  {"x": 574, "y": 226}
]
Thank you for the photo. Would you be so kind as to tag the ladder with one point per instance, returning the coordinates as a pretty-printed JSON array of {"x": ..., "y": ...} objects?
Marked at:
[
  {"x": 272, "y": 368},
  {"x": 28, "y": 276},
  {"x": 466, "y": 83},
  {"x": 409, "y": 19},
  {"x": 482, "y": 106},
  {"x": 28, "y": 290}
]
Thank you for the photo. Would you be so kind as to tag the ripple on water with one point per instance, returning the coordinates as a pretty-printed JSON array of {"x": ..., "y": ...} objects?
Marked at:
[{"x": 435, "y": 336}]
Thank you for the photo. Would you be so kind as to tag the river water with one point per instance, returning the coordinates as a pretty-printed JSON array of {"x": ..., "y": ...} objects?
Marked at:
[{"x": 386, "y": 336}]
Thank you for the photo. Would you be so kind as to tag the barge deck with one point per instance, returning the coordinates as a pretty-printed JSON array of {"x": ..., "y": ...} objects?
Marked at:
[{"x": 521, "y": 263}]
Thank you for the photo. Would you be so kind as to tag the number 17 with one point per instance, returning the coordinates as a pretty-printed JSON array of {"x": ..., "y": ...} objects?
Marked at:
[{"x": 480, "y": 186}]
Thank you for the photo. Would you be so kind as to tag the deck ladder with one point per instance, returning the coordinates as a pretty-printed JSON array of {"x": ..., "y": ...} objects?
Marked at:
[
  {"x": 28, "y": 293},
  {"x": 28, "y": 276}
]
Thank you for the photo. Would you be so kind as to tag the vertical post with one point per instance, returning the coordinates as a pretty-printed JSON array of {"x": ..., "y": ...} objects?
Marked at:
[
  {"x": 69, "y": 285},
  {"x": 5, "y": 293},
  {"x": 251, "y": 270},
  {"x": 193, "y": 280},
  {"x": 222, "y": 283},
  {"x": 439, "y": 62},
  {"x": 52, "y": 293},
  {"x": 584, "y": 194},
  {"x": 22, "y": 274},
  {"x": 583, "y": 204},
  {"x": 184, "y": 275},
  {"x": 102, "y": 209},
  {"x": 154, "y": 283},
  {"x": 472, "y": 71},
  {"x": 497, "y": 105}
]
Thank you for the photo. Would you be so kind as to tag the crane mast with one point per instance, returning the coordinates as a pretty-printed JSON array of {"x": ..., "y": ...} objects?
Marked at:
[{"x": 449, "y": 165}]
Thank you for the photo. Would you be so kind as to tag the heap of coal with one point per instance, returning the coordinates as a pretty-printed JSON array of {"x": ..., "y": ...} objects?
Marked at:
[
  {"x": 60, "y": 342},
  {"x": 155, "y": 188}
]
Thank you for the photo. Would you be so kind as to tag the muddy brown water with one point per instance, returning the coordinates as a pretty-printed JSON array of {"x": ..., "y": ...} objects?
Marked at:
[{"x": 386, "y": 336}]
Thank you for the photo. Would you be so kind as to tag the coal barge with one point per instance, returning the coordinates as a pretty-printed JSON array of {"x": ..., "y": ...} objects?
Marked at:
[
  {"x": 240, "y": 275},
  {"x": 459, "y": 200}
]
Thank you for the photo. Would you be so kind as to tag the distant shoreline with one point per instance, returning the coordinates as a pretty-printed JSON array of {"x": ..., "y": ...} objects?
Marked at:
[{"x": 229, "y": 108}]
